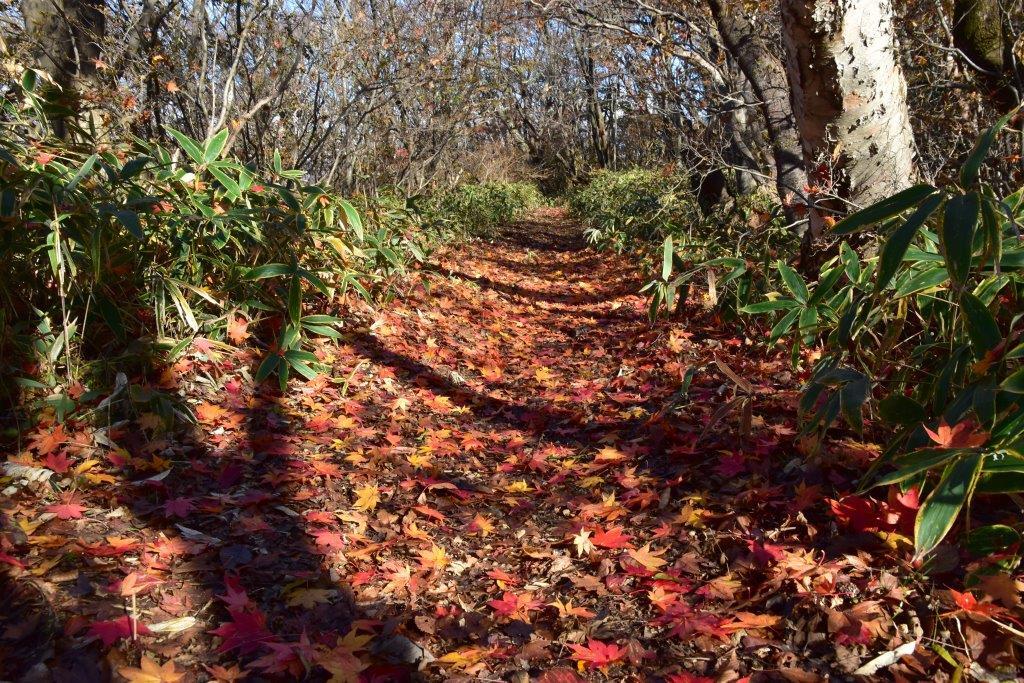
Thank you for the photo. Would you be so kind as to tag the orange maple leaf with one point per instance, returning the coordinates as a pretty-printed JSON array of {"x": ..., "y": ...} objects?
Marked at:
[{"x": 961, "y": 435}]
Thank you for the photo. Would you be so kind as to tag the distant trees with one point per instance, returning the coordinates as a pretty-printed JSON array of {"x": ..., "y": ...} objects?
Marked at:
[{"x": 832, "y": 102}]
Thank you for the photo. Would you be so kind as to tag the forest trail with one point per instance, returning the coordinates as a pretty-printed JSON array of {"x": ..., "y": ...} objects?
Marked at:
[{"x": 501, "y": 480}]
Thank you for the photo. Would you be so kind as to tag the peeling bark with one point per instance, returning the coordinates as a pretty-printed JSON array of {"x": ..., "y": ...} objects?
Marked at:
[{"x": 850, "y": 95}]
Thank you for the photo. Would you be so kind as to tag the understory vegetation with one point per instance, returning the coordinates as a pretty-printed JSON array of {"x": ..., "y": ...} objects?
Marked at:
[{"x": 128, "y": 253}]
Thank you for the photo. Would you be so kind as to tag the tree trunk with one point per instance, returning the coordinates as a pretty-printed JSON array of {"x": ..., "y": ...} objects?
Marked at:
[
  {"x": 849, "y": 99},
  {"x": 760, "y": 64},
  {"x": 65, "y": 35},
  {"x": 980, "y": 34}
]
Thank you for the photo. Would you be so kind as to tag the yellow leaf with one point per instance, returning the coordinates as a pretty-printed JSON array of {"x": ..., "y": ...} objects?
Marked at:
[
  {"x": 86, "y": 465},
  {"x": 435, "y": 558},
  {"x": 367, "y": 497},
  {"x": 310, "y": 597},
  {"x": 648, "y": 559},
  {"x": 482, "y": 525},
  {"x": 518, "y": 487},
  {"x": 149, "y": 671},
  {"x": 543, "y": 374}
]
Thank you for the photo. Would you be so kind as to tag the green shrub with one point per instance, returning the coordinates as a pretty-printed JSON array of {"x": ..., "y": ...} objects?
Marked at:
[
  {"x": 476, "y": 209},
  {"x": 927, "y": 335},
  {"x": 116, "y": 253},
  {"x": 626, "y": 209},
  {"x": 728, "y": 251}
]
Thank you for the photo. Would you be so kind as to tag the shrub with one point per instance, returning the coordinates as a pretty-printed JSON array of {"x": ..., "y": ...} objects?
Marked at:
[
  {"x": 625, "y": 209},
  {"x": 730, "y": 250},
  {"x": 927, "y": 335},
  {"x": 115, "y": 253},
  {"x": 476, "y": 209}
]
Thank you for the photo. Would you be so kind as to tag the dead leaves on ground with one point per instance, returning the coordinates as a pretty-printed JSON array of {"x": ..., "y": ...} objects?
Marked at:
[{"x": 493, "y": 480}]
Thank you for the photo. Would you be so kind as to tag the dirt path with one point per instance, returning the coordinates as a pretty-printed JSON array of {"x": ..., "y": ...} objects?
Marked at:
[{"x": 500, "y": 480}]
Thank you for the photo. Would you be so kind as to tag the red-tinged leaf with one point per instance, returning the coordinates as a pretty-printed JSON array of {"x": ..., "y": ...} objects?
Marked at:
[
  {"x": 47, "y": 442},
  {"x": 968, "y": 603},
  {"x": 962, "y": 435},
  {"x": 178, "y": 507},
  {"x": 134, "y": 584},
  {"x": 328, "y": 540},
  {"x": 58, "y": 462},
  {"x": 516, "y": 606},
  {"x": 429, "y": 512},
  {"x": 109, "y": 632},
  {"x": 561, "y": 675},
  {"x": 766, "y": 554},
  {"x": 597, "y": 655},
  {"x": 235, "y": 596},
  {"x": 68, "y": 508},
  {"x": 238, "y": 330},
  {"x": 688, "y": 678},
  {"x": 613, "y": 538},
  {"x": 13, "y": 561},
  {"x": 246, "y": 632}
]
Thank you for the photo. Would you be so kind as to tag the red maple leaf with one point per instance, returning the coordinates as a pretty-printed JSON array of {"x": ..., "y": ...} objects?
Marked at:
[
  {"x": 328, "y": 540},
  {"x": 68, "y": 508},
  {"x": 235, "y": 596},
  {"x": 516, "y": 606},
  {"x": 968, "y": 603},
  {"x": 597, "y": 655},
  {"x": 689, "y": 678},
  {"x": 48, "y": 441},
  {"x": 111, "y": 631},
  {"x": 58, "y": 462},
  {"x": 178, "y": 507},
  {"x": 612, "y": 538},
  {"x": 765, "y": 554},
  {"x": 246, "y": 631}
]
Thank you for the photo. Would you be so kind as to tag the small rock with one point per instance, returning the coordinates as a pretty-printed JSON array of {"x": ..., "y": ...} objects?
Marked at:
[{"x": 400, "y": 650}]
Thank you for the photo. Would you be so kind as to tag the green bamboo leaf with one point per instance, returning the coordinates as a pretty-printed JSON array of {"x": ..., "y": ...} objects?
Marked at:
[
  {"x": 1014, "y": 384},
  {"x": 939, "y": 511},
  {"x": 896, "y": 245},
  {"x": 82, "y": 173},
  {"x": 190, "y": 146},
  {"x": 766, "y": 306},
  {"x": 926, "y": 279},
  {"x": 915, "y": 463},
  {"x": 352, "y": 219},
  {"x": 886, "y": 208},
  {"x": 267, "y": 367},
  {"x": 981, "y": 325},
  {"x": 269, "y": 270},
  {"x": 969, "y": 171},
  {"x": 794, "y": 283},
  {"x": 295, "y": 299},
  {"x": 214, "y": 146},
  {"x": 230, "y": 186},
  {"x": 782, "y": 327},
  {"x": 957, "y": 238},
  {"x": 130, "y": 220},
  {"x": 666, "y": 258},
  {"x": 825, "y": 284},
  {"x": 901, "y": 410}
]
